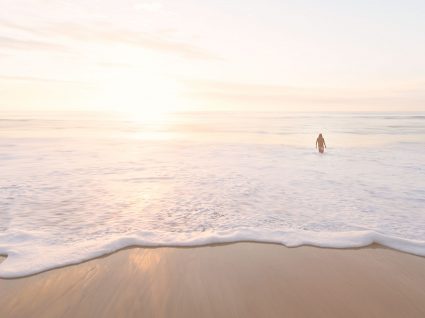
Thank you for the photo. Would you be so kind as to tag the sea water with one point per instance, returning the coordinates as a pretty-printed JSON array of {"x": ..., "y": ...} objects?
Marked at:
[{"x": 74, "y": 186}]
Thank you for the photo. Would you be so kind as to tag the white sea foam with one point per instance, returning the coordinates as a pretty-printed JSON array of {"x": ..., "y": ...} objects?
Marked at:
[
  {"x": 71, "y": 190},
  {"x": 40, "y": 259}
]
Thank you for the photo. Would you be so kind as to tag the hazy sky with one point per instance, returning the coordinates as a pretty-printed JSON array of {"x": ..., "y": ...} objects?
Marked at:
[{"x": 145, "y": 56}]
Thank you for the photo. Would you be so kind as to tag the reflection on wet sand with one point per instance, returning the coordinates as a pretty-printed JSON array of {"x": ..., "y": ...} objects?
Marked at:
[{"x": 144, "y": 261}]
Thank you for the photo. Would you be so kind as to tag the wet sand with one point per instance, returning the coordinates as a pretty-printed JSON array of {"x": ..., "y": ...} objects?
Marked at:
[{"x": 234, "y": 280}]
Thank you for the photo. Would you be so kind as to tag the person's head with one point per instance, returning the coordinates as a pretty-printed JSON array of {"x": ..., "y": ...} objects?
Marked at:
[{"x": 320, "y": 135}]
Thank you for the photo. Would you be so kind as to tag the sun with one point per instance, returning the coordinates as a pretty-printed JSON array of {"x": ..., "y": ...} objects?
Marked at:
[{"x": 142, "y": 97}]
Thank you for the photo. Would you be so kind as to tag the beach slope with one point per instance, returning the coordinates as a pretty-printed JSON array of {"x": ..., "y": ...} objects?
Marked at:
[{"x": 234, "y": 280}]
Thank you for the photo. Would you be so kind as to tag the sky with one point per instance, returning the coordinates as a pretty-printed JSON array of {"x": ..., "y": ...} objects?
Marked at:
[{"x": 185, "y": 55}]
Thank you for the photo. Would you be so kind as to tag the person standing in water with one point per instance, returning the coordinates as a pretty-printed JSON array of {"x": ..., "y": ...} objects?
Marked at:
[{"x": 320, "y": 141}]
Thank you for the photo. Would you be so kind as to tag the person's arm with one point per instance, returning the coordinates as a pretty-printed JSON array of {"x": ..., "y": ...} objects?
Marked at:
[{"x": 324, "y": 142}]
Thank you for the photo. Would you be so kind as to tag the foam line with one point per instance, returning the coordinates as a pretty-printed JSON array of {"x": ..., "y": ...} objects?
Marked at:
[{"x": 19, "y": 264}]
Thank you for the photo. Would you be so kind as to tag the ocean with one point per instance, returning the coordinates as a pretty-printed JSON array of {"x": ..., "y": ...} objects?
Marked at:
[{"x": 74, "y": 186}]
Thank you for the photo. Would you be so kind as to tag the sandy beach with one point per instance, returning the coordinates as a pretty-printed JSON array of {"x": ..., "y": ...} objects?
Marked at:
[{"x": 234, "y": 280}]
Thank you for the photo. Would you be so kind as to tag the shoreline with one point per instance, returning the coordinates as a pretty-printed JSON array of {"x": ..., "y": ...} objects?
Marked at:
[
  {"x": 242, "y": 279},
  {"x": 3, "y": 257},
  {"x": 373, "y": 244}
]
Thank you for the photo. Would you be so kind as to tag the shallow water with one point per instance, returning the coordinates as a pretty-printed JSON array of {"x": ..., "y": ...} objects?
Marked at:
[{"x": 78, "y": 186}]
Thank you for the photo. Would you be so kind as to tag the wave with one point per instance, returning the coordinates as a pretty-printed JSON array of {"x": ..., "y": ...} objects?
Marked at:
[{"x": 51, "y": 257}]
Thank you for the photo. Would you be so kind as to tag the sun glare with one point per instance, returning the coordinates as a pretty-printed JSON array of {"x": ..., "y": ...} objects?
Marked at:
[{"x": 143, "y": 98}]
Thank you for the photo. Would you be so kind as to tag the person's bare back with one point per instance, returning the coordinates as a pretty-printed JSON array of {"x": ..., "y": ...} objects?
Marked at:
[{"x": 320, "y": 141}]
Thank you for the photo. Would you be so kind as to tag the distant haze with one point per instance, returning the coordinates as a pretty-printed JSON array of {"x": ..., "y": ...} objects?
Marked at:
[{"x": 149, "y": 57}]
